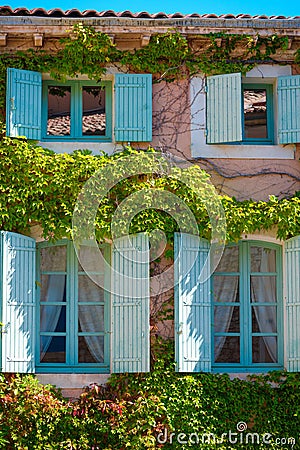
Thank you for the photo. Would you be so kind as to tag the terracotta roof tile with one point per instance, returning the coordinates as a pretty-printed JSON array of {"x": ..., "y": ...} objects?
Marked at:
[{"x": 74, "y": 13}]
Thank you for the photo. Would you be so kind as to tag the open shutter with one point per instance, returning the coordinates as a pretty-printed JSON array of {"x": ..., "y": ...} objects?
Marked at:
[
  {"x": 224, "y": 108},
  {"x": 292, "y": 253},
  {"x": 192, "y": 304},
  {"x": 130, "y": 305},
  {"x": 18, "y": 302},
  {"x": 133, "y": 108},
  {"x": 288, "y": 109},
  {"x": 23, "y": 103}
]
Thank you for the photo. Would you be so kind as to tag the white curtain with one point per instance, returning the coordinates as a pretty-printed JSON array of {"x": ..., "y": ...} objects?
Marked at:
[
  {"x": 225, "y": 290},
  {"x": 89, "y": 318},
  {"x": 227, "y": 286},
  {"x": 263, "y": 289},
  {"x": 54, "y": 292}
]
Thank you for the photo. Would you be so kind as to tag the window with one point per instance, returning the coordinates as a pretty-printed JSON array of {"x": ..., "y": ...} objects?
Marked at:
[
  {"x": 73, "y": 310},
  {"x": 247, "y": 307},
  {"x": 242, "y": 112},
  {"x": 56, "y": 319},
  {"x": 258, "y": 115},
  {"x": 236, "y": 319},
  {"x": 79, "y": 110}
]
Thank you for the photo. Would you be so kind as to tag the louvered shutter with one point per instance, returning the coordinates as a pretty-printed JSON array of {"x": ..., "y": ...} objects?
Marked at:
[
  {"x": 192, "y": 304},
  {"x": 130, "y": 305},
  {"x": 288, "y": 109},
  {"x": 133, "y": 108},
  {"x": 224, "y": 108},
  {"x": 18, "y": 302},
  {"x": 292, "y": 253},
  {"x": 23, "y": 103}
]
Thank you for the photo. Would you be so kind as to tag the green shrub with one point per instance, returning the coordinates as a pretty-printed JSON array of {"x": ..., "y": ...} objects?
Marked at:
[
  {"x": 141, "y": 411},
  {"x": 32, "y": 415}
]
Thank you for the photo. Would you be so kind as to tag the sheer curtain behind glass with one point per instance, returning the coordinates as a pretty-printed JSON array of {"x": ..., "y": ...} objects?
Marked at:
[
  {"x": 263, "y": 290},
  {"x": 53, "y": 290},
  {"x": 225, "y": 291},
  {"x": 91, "y": 304}
]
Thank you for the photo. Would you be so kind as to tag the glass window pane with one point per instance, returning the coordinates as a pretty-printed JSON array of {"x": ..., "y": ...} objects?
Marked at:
[
  {"x": 59, "y": 111},
  {"x": 263, "y": 259},
  {"x": 90, "y": 259},
  {"x": 91, "y": 349},
  {"x": 53, "y": 318},
  {"x": 54, "y": 259},
  {"x": 263, "y": 289},
  {"x": 264, "y": 349},
  {"x": 226, "y": 288},
  {"x": 230, "y": 260},
  {"x": 90, "y": 318},
  {"x": 264, "y": 319},
  {"x": 53, "y": 349},
  {"x": 227, "y": 349},
  {"x": 255, "y": 114},
  {"x": 53, "y": 288},
  {"x": 93, "y": 111},
  {"x": 227, "y": 319},
  {"x": 88, "y": 290}
]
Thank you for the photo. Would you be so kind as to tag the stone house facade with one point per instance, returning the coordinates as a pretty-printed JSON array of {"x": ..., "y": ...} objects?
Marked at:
[{"x": 244, "y": 129}]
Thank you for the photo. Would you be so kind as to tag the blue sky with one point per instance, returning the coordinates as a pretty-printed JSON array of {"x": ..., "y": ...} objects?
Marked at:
[{"x": 269, "y": 7}]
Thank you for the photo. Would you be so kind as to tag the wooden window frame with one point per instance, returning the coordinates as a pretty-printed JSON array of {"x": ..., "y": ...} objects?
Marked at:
[
  {"x": 76, "y": 111},
  {"x": 269, "y": 140},
  {"x": 244, "y": 273},
  {"x": 72, "y": 274}
]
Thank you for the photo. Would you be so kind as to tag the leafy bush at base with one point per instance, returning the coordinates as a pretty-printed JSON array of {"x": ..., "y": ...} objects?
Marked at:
[{"x": 161, "y": 409}]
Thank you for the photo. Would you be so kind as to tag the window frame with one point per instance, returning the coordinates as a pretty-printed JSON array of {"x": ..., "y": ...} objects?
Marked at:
[
  {"x": 71, "y": 333},
  {"x": 76, "y": 111},
  {"x": 283, "y": 147},
  {"x": 244, "y": 273},
  {"x": 270, "y": 114}
]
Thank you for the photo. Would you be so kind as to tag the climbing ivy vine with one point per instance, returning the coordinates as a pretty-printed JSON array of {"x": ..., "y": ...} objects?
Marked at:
[
  {"x": 39, "y": 186},
  {"x": 168, "y": 56}
]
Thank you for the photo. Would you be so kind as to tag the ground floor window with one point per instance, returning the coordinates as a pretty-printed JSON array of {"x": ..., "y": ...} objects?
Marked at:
[
  {"x": 247, "y": 307},
  {"x": 74, "y": 310}
]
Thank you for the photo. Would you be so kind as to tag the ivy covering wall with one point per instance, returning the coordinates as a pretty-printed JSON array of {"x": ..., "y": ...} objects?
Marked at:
[
  {"x": 38, "y": 186},
  {"x": 168, "y": 56},
  {"x": 161, "y": 409}
]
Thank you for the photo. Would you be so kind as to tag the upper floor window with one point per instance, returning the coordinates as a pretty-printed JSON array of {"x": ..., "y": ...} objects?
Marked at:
[
  {"x": 238, "y": 111},
  {"x": 77, "y": 110},
  {"x": 258, "y": 117},
  {"x": 118, "y": 110}
]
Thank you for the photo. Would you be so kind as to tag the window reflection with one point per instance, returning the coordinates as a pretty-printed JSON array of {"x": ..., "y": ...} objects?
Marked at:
[
  {"x": 59, "y": 111},
  {"x": 255, "y": 114},
  {"x": 93, "y": 111}
]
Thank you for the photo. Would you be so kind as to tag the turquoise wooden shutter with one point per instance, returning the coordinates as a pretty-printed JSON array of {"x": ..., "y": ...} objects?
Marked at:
[
  {"x": 133, "y": 108},
  {"x": 292, "y": 253},
  {"x": 130, "y": 305},
  {"x": 23, "y": 103},
  {"x": 18, "y": 302},
  {"x": 288, "y": 109},
  {"x": 192, "y": 304},
  {"x": 224, "y": 108}
]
